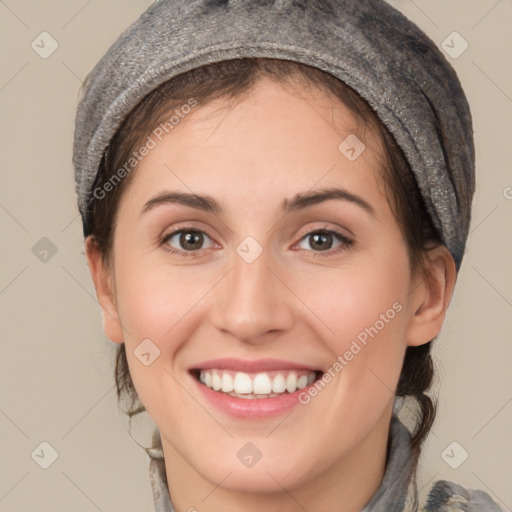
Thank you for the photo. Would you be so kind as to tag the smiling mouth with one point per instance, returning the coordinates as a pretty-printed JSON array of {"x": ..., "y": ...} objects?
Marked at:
[{"x": 267, "y": 384}]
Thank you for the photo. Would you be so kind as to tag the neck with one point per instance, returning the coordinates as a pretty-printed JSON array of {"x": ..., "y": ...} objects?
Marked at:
[{"x": 346, "y": 486}]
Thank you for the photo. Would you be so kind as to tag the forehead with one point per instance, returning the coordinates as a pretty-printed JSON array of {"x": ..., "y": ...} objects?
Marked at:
[
  {"x": 276, "y": 137},
  {"x": 274, "y": 108}
]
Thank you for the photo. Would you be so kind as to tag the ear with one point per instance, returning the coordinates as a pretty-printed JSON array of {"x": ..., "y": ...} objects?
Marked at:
[
  {"x": 103, "y": 283},
  {"x": 431, "y": 296}
]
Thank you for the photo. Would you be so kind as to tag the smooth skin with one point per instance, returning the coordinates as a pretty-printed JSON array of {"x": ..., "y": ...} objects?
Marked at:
[{"x": 296, "y": 301}]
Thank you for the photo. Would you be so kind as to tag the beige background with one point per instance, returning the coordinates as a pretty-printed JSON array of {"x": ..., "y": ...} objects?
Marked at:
[{"x": 56, "y": 382}]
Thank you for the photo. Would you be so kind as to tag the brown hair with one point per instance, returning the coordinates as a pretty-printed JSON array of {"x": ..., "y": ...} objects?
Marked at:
[{"x": 231, "y": 80}]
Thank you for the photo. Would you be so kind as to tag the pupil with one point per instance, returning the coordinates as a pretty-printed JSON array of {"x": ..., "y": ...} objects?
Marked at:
[
  {"x": 188, "y": 237},
  {"x": 318, "y": 240}
]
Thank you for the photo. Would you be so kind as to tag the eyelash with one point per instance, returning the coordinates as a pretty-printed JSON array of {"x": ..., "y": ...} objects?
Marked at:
[{"x": 347, "y": 243}]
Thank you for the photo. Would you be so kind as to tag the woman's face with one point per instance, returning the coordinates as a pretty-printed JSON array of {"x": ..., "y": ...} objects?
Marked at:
[{"x": 261, "y": 276}]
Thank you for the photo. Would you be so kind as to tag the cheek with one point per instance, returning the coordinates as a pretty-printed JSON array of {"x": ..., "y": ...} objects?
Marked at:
[
  {"x": 155, "y": 301},
  {"x": 363, "y": 317},
  {"x": 353, "y": 303},
  {"x": 164, "y": 307}
]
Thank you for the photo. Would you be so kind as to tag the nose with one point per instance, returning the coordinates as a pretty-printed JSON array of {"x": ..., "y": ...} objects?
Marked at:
[{"x": 253, "y": 301}]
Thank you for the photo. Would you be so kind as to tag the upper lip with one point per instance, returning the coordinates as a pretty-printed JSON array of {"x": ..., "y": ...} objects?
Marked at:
[{"x": 245, "y": 365}]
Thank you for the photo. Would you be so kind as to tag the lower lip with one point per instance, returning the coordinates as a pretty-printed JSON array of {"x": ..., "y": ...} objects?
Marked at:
[{"x": 252, "y": 408}]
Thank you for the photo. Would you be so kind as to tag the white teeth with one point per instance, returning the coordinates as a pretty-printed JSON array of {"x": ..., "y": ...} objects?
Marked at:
[
  {"x": 256, "y": 385},
  {"x": 302, "y": 382},
  {"x": 227, "y": 383},
  {"x": 243, "y": 383},
  {"x": 291, "y": 382},
  {"x": 262, "y": 385},
  {"x": 216, "y": 381},
  {"x": 279, "y": 384}
]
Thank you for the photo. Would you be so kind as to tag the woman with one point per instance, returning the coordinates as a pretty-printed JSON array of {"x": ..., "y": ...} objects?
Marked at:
[{"x": 276, "y": 198}]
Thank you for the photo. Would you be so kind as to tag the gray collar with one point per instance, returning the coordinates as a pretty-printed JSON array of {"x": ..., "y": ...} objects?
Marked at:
[
  {"x": 395, "y": 494},
  {"x": 391, "y": 496}
]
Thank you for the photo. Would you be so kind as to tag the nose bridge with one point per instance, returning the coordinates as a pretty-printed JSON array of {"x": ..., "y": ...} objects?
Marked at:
[{"x": 251, "y": 300}]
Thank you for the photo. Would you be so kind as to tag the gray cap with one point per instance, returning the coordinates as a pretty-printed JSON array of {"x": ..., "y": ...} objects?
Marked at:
[{"x": 367, "y": 44}]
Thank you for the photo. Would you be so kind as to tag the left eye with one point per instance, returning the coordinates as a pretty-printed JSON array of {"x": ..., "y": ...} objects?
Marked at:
[{"x": 322, "y": 240}]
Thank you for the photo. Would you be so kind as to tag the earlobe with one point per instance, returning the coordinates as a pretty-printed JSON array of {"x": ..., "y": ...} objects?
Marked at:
[
  {"x": 431, "y": 296},
  {"x": 103, "y": 283}
]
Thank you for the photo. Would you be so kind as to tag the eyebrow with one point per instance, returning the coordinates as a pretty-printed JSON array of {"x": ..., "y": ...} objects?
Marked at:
[{"x": 299, "y": 201}]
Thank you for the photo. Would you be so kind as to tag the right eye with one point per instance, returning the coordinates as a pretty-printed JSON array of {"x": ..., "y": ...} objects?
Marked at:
[{"x": 185, "y": 241}]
